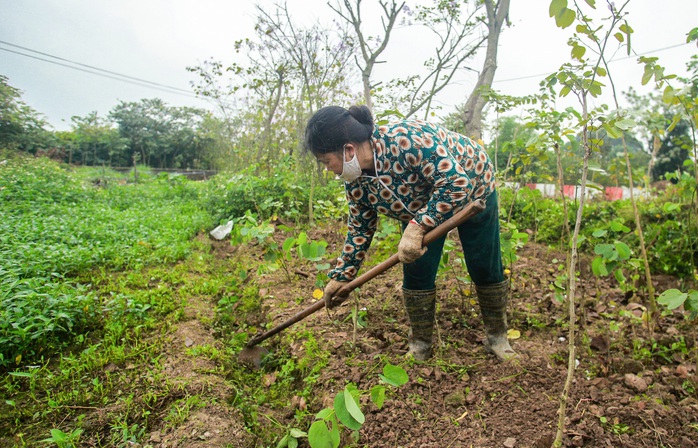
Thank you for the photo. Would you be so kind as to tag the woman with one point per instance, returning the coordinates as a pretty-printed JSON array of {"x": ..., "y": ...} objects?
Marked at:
[{"x": 420, "y": 174}]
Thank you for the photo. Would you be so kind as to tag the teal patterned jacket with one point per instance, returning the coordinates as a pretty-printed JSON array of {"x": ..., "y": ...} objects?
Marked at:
[{"x": 423, "y": 172}]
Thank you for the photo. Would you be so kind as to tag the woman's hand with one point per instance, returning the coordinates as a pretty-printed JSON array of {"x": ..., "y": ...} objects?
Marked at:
[
  {"x": 330, "y": 290},
  {"x": 410, "y": 247}
]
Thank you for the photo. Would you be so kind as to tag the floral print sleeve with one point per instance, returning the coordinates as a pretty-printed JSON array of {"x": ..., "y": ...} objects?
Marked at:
[{"x": 362, "y": 225}]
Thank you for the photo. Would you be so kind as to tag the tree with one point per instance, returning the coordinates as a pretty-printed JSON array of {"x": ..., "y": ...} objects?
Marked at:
[
  {"x": 320, "y": 56},
  {"x": 161, "y": 135},
  {"x": 673, "y": 150},
  {"x": 280, "y": 76},
  {"x": 21, "y": 127},
  {"x": 371, "y": 47},
  {"x": 497, "y": 13},
  {"x": 93, "y": 140}
]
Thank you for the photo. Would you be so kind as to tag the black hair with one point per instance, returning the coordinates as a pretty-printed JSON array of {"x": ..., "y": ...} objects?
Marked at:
[{"x": 332, "y": 127}]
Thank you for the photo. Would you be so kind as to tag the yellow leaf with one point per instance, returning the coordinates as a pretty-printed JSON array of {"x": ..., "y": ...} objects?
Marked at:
[
  {"x": 513, "y": 334},
  {"x": 507, "y": 272},
  {"x": 318, "y": 293},
  {"x": 473, "y": 302},
  {"x": 467, "y": 293},
  {"x": 18, "y": 359}
]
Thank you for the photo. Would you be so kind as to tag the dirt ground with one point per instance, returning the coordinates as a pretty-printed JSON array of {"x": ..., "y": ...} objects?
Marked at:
[{"x": 627, "y": 391}]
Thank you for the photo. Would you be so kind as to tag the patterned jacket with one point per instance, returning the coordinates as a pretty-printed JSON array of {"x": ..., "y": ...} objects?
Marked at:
[{"x": 423, "y": 172}]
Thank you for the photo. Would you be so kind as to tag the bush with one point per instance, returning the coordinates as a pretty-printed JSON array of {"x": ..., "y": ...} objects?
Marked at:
[
  {"x": 670, "y": 234},
  {"x": 284, "y": 194}
]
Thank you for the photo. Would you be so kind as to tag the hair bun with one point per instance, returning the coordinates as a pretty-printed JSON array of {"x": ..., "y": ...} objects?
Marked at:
[{"x": 362, "y": 114}]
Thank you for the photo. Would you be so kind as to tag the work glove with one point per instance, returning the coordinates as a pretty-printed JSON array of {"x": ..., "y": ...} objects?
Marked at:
[
  {"x": 410, "y": 247},
  {"x": 329, "y": 294}
]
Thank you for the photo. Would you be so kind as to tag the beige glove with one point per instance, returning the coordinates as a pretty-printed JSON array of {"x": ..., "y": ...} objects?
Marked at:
[
  {"x": 329, "y": 294},
  {"x": 410, "y": 247}
]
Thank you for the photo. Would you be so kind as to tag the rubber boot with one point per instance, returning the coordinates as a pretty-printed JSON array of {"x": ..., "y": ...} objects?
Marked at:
[
  {"x": 421, "y": 308},
  {"x": 493, "y": 306}
]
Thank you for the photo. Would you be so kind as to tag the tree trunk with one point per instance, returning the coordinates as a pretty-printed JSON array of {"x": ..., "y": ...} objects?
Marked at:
[
  {"x": 352, "y": 15},
  {"x": 472, "y": 115},
  {"x": 656, "y": 144}
]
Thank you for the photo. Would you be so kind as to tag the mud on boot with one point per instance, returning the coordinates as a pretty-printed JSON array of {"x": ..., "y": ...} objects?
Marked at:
[
  {"x": 493, "y": 301},
  {"x": 421, "y": 308}
]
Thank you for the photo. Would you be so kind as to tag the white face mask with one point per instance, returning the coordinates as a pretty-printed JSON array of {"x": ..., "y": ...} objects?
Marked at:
[{"x": 351, "y": 170}]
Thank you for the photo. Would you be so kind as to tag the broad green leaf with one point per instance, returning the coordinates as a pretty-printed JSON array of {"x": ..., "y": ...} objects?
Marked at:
[
  {"x": 625, "y": 28},
  {"x": 556, "y": 7},
  {"x": 353, "y": 406},
  {"x": 292, "y": 443},
  {"x": 324, "y": 414},
  {"x": 691, "y": 303},
  {"x": 319, "y": 435},
  {"x": 612, "y": 131},
  {"x": 334, "y": 433},
  {"x": 618, "y": 226},
  {"x": 692, "y": 35},
  {"x": 283, "y": 442},
  {"x": 647, "y": 75},
  {"x": 672, "y": 298},
  {"x": 623, "y": 250},
  {"x": 670, "y": 207},
  {"x": 668, "y": 95},
  {"x": 288, "y": 243},
  {"x": 599, "y": 233},
  {"x": 578, "y": 52},
  {"x": 601, "y": 71},
  {"x": 619, "y": 37},
  {"x": 595, "y": 89},
  {"x": 565, "y": 19},
  {"x": 605, "y": 250},
  {"x": 591, "y": 3},
  {"x": 598, "y": 267},
  {"x": 625, "y": 124},
  {"x": 378, "y": 395},
  {"x": 297, "y": 433},
  {"x": 394, "y": 375},
  {"x": 618, "y": 273},
  {"x": 674, "y": 122},
  {"x": 302, "y": 238},
  {"x": 340, "y": 409}
]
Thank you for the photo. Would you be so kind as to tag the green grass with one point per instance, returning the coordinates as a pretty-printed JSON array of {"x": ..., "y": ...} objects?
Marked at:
[{"x": 58, "y": 223}]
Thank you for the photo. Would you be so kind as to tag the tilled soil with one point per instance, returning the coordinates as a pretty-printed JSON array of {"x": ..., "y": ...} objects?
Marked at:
[{"x": 627, "y": 391}]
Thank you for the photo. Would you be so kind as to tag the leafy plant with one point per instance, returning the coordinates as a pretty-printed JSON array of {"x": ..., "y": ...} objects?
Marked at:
[
  {"x": 611, "y": 256},
  {"x": 674, "y": 298},
  {"x": 64, "y": 439},
  {"x": 325, "y": 432}
]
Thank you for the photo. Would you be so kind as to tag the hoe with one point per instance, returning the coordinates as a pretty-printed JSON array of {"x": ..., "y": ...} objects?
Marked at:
[{"x": 253, "y": 354}]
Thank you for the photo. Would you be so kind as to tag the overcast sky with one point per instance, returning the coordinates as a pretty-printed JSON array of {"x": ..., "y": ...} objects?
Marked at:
[{"x": 155, "y": 40}]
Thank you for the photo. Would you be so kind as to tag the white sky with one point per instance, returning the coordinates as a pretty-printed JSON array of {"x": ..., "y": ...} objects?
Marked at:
[{"x": 156, "y": 40}]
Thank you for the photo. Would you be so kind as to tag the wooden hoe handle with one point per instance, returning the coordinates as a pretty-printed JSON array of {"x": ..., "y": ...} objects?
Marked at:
[{"x": 342, "y": 294}]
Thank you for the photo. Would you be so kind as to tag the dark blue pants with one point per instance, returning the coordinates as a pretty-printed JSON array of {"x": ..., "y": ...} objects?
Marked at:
[{"x": 479, "y": 237}]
